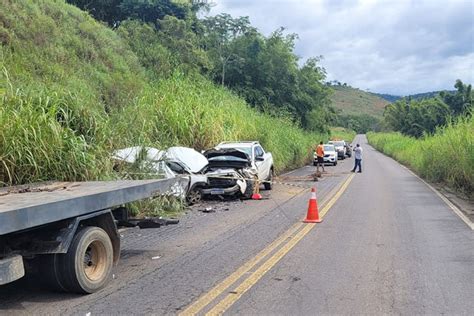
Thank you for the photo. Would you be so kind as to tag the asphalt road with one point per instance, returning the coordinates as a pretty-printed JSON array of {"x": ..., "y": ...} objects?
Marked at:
[{"x": 388, "y": 245}]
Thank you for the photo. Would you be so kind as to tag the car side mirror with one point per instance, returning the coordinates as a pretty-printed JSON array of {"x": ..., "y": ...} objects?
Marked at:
[{"x": 259, "y": 158}]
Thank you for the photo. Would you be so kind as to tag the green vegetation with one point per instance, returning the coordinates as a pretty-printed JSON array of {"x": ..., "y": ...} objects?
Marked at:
[
  {"x": 72, "y": 91},
  {"x": 342, "y": 133},
  {"x": 168, "y": 35},
  {"x": 352, "y": 101},
  {"x": 356, "y": 109},
  {"x": 419, "y": 117},
  {"x": 447, "y": 156}
]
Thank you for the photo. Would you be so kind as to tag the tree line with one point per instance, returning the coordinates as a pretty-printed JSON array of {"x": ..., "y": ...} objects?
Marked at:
[
  {"x": 415, "y": 117},
  {"x": 169, "y": 35}
]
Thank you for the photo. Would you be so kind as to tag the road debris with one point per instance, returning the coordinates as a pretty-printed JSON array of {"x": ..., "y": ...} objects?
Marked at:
[{"x": 208, "y": 210}]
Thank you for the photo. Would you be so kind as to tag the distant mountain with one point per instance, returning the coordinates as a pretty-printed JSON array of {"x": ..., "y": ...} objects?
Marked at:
[
  {"x": 355, "y": 101},
  {"x": 419, "y": 96},
  {"x": 389, "y": 97}
]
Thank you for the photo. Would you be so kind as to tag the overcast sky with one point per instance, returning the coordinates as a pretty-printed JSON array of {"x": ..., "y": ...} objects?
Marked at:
[{"x": 397, "y": 47}]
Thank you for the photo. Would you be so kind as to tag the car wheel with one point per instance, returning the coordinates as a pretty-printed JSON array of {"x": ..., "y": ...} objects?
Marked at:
[
  {"x": 194, "y": 196},
  {"x": 268, "y": 184},
  {"x": 249, "y": 190},
  {"x": 335, "y": 163},
  {"x": 314, "y": 163}
]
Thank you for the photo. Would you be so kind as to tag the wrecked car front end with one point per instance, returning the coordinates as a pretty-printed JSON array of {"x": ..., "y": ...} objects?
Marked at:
[{"x": 229, "y": 172}]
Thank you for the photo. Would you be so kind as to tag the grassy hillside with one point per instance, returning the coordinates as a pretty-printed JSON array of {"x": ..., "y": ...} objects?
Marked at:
[
  {"x": 446, "y": 156},
  {"x": 71, "y": 91},
  {"x": 354, "y": 101}
]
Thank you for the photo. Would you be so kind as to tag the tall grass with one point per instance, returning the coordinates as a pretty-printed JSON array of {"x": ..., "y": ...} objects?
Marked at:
[
  {"x": 72, "y": 91},
  {"x": 446, "y": 157},
  {"x": 46, "y": 138},
  {"x": 34, "y": 146},
  {"x": 194, "y": 112}
]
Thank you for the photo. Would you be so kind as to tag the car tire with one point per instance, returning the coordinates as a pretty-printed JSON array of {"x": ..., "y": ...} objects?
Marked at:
[
  {"x": 314, "y": 163},
  {"x": 334, "y": 163},
  {"x": 249, "y": 190},
  {"x": 268, "y": 185},
  {"x": 194, "y": 196}
]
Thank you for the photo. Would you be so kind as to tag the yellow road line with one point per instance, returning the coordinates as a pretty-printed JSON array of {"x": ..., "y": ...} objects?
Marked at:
[
  {"x": 230, "y": 299},
  {"x": 207, "y": 298},
  {"x": 204, "y": 300}
]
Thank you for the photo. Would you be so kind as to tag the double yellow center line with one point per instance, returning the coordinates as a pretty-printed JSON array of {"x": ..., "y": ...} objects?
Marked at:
[{"x": 288, "y": 239}]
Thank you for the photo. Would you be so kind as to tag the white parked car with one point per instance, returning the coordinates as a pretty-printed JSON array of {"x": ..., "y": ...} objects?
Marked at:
[
  {"x": 340, "y": 146},
  {"x": 260, "y": 162},
  {"x": 330, "y": 155}
]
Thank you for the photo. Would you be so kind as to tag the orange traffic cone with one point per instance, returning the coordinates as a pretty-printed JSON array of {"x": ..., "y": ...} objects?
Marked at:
[{"x": 313, "y": 213}]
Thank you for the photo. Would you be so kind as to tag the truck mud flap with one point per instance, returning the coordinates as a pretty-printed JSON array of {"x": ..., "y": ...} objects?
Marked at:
[{"x": 11, "y": 269}]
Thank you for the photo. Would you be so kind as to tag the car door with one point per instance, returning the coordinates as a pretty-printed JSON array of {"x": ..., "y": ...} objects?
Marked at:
[{"x": 262, "y": 165}]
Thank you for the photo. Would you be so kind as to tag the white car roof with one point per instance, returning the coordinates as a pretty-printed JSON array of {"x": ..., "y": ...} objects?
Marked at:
[{"x": 194, "y": 160}]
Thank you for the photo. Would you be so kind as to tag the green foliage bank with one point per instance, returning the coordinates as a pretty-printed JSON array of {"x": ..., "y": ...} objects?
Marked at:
[
  {"x": 447, "y": 156},
  {"x": 72, "y": 90}
]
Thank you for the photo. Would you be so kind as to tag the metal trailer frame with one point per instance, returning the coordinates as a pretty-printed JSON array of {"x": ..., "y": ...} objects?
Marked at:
[
  {"x": 20, "y": 211},
  {"x": 41, "y": 220}
]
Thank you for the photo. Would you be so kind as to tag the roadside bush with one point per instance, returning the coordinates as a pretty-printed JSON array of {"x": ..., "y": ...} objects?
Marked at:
[{"x": 447, "y": 156}]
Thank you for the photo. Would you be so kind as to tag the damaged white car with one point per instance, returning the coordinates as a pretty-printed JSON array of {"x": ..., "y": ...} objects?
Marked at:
[
  {"x": 229, "y": 172},
  {"x": 183, "y": 162}
]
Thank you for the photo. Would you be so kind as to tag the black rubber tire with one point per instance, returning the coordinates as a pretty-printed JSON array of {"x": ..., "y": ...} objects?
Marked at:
[
  {"x": 72, "y": 266},
  {"x": 48, "y": 272},
  {"x": 194, "y": 196},
  {"x": 268, "y": 185},
  {"x": 314, "y": 163},
  {"x": 335, "y": 163},
  {"x": 249, "y": 190}
]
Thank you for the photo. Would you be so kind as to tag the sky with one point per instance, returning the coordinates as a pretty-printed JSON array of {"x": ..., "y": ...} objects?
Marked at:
[{"x": 398, "y": 47}]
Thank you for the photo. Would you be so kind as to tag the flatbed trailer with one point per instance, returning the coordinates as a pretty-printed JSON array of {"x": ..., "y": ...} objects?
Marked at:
[{"x": 67, "y": 230}]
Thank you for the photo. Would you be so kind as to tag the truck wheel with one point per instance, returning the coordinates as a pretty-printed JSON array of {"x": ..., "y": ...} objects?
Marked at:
[
  {"x": 194, "y": 196},
  {"x": 87, "y": 266},
  {"x": 268, "y": 185}
]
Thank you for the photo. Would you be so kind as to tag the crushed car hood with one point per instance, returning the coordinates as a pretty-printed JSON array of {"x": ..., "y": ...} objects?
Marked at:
[
  {"x": 194, "y": 160},
  {"x": 227, "y": 158}
]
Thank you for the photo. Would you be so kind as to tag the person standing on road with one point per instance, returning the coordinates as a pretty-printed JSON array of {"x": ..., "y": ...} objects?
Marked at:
[
  {"x": 320, "y": 156},
  {"x": 358, "y": 158}
]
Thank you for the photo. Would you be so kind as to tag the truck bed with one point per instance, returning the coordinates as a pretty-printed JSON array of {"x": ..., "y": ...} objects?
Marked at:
[{"x": 23, "y": 208}]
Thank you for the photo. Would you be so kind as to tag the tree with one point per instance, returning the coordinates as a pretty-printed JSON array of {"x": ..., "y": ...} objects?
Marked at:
[
  {"x": 108, "y": 11},
  {"x": 220, "y": 32},
  {"x": 461, "y": 101},
  {"x": 113, "y": 12}
]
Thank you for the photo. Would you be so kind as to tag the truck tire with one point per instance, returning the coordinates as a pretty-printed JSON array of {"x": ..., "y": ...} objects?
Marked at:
[
  {"x": 87, "y": 266},
  {"x": 268, "y": 185}
]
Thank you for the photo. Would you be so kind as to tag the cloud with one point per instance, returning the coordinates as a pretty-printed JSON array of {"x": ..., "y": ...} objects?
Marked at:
[{"x": 399, "y": 47}]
